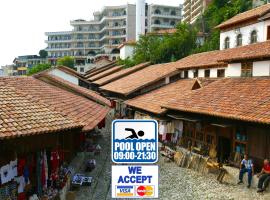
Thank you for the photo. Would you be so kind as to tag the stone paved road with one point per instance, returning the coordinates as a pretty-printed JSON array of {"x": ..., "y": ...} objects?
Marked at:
[{"x": 175, "y": 183}]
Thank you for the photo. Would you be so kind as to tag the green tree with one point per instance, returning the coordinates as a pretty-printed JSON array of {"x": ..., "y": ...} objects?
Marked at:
[
  {"x": 38, "y": 68},
  {"x": 216, "y": 13},
  {"x": 43, "y": 53},
  {"x": 166, "y": 48},
  {"x": 66, "y": 61}
]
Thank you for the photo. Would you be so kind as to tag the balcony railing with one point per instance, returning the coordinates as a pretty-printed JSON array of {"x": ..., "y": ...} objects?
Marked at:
[{"x": 166, "y": 15}]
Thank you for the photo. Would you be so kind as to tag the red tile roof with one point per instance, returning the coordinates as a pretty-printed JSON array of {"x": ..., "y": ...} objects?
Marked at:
[
  {"x": 130, "y": 42},
  {"x": 105, "y": 73},
  {"x": 22, "y": 115},
  {"x": 61, "y": 83},
  {"x": 201, "y": 60},
  {"x": 153, "y": 100},
  {"x": 245, "y": 99},
  {"x": 140, "y": 79},
  {"x": 120, "y": 74},
  {"x": 75, "y": 107},
  {"x": 259, "y": 50},
  {"x": 99, "y": 70},
  {"x": 220, "y": 58},
  {"x": 68, "y": 70},
  {"x": 245, "y": 16}
]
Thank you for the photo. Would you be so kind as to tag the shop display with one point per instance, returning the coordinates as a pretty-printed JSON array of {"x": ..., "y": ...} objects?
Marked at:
[{"x": 40, "y": 174}]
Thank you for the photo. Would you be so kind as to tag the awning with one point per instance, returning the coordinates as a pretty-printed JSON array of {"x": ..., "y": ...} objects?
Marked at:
[
  {"x": 221, "y": 125},
  {"x": 180, "y": 117}
]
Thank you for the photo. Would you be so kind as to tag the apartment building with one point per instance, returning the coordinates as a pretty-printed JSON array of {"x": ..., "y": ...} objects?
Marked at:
[
  {"x": 192, "y": 9},
  {"x": 160, "y": 17},
  {"x": 110, "y": 27}
]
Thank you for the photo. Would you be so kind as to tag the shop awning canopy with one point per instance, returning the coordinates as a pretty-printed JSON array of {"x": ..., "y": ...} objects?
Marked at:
[
  {"x": 221, "y": 125},
  {"x": 180, "y": 117}
]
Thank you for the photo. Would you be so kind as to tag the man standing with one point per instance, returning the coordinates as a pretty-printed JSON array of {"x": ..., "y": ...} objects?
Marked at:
[
  {"x": 246, "y": 166},
  {"x": 264, "y": 176}
]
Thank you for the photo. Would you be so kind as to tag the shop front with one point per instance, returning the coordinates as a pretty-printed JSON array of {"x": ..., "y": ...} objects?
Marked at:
[{"x": 37, "y": 166}]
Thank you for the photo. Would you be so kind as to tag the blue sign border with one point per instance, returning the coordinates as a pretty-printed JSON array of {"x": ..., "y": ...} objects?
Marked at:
[{"x": 128, "y": 120}]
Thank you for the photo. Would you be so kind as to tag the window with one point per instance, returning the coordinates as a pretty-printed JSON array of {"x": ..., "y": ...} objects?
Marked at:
[
  {"x": 195, "y": 73},
  {"x": 253, "y": 37},
  {"x": 246, "y": 69},
  {"x": 239, "y": 40},
  {"x": 172, "y": 23},
  {"x": 221, "y": 73},
  {"x": 173, "y": 12},
  {"x": 157, "y": 11},
  {"x": 81, "y": 69},
  {"x": 227, "y": 43},
  {"x": 157, "y": 21},
  {"x": 207, "y": 73},
  {"x": 186, "y": 74}
]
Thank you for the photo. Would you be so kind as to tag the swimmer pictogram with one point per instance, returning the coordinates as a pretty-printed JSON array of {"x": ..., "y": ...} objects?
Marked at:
[{"x": 134, "y": 135}]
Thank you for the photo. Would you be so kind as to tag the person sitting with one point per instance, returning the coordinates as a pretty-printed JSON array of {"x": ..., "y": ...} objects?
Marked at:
[
  {"x": 264, "y": 176},
  {"x": 246, "y": 166}
]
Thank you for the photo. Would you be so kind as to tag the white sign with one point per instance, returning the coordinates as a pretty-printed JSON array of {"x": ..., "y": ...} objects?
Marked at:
[
  {"x": 135, "y": 181},
  {"x": 134, "y": 141}
]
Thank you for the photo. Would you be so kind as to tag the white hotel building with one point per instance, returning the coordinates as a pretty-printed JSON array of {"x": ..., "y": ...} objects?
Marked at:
[{"x": 113, "y": 25}]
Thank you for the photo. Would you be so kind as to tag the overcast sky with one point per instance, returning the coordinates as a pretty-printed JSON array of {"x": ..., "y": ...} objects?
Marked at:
[{"x": 23, "y": 22}]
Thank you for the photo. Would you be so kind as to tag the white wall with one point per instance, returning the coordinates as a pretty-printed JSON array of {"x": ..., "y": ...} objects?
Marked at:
[
  {"x": 213, "y": 73},
  {"x": 190, "y": 74},
  {"x": 201, "y": 73},
  {"x": 261, "y": 68},
  {"x": 260, "y": 27},
  {"x": 65, "y": 76},
  {"x": 233, "y": 70},
  {"x": 126, "y": 51}
]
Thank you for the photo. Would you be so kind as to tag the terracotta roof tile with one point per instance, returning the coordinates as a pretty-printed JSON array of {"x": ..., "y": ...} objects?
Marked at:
[
  {"x": 246, "y": 99},
  {"x": 70, "y": 71},
  {"x": 22, "y": 115},
  {"x": 205, "y": 59},
  {"x": 105, "y": 73},
  {"x": 120, "y": 74},
  {"x": 153, "y": 100},
  {"x": 59, "y": 82},
  {"x": 222, "y": 57},
  {"x": 139, "y": 79},
  {"x": 98, "y": 69},
  {"x": 77, "y": 108},
  {"x": 254, "y": 13}
]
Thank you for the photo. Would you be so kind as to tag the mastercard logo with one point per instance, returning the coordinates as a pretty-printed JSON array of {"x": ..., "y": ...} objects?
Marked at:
[{"x": 145, "y": 190}]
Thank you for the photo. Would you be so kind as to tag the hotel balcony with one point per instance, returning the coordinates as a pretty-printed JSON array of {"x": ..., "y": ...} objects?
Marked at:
[
  {"x": 196, "y": 10},
  {"x": 58, "y": 41},
  {"x": 186, "y": 2},
  {"x": 57, "y": 49},
  {"x": 166, "y": 15},
  {"x": 162, "y": 25}
]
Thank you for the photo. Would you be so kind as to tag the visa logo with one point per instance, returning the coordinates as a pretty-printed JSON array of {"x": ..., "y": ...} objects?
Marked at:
[{"x": 124, "y": 191}]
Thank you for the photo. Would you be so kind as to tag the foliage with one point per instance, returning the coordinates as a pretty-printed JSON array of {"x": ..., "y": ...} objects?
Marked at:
[
  {"x": 167, "y": 48},
  {"x": 126, "y": 63},
  {"x": 43, "y": 53},
  {"x": 38, "y": 68},
  {"x": 66, "y": 61},
  {"x": 216, "y": 13}
]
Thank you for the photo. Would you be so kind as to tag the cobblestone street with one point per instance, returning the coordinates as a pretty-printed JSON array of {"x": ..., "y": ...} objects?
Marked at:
[{"x": 175, "y": 182}]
